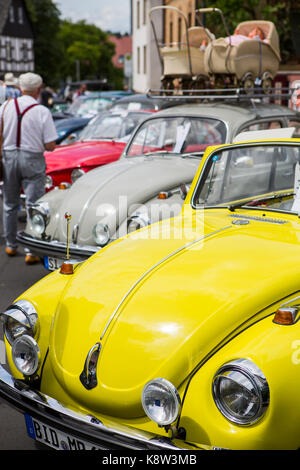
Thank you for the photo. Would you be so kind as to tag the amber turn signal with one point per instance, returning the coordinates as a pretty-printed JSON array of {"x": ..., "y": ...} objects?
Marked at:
[
  {"x": 286, "y": 316},
  {"x": 66, "y": 268},
  {"x": 163, "y": 195}
]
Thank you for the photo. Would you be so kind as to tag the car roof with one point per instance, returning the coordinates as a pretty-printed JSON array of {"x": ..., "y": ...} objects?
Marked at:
[{"x": 232, "y": 113}]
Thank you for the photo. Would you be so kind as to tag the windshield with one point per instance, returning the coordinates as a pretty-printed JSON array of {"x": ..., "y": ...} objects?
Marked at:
[
  {"x": 177, "y": 135},
  {"x": 111, "y": 127},
  {"x": 248, "y": 172},
  {"x": 88, "y": 107}
]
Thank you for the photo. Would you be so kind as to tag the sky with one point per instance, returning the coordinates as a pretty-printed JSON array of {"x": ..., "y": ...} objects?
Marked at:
[{"x": 109, "y": 15}]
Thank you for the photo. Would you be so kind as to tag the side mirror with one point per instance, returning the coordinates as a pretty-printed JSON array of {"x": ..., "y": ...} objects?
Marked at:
[{"x": 184, "y": 189}]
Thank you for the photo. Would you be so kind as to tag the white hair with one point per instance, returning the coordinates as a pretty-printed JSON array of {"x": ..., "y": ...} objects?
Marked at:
[{"x": 30, "y": 81}]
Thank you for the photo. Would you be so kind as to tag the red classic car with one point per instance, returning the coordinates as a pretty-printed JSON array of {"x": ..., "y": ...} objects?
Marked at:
[{"x": 102, "y": 141}]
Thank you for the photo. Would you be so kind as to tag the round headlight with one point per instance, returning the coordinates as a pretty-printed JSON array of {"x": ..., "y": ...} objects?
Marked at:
[
  {"x": 77, "y": 173},
  {"x": 137, "y": 221},
  {"x": 241, "y": 392},
  {"x": 38, "y": 223},
  {"x": 161, "y": 401},
  {"x": 48, "y": 182},
  {"x": 21, "y": 318},
  {"x": 101, "y": 234},
  {"x": 26, "y": 355}
]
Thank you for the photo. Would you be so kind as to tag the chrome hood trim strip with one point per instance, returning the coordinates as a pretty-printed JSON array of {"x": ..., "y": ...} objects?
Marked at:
[{"x": 149, "y": 271}]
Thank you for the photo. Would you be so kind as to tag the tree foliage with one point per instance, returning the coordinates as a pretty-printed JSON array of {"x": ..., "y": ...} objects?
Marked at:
[{"x": 61, "y": 46}]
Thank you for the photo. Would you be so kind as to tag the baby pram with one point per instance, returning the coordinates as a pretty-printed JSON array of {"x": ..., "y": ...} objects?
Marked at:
[
  {"x": 200, "y": 60},
  {"x": 183, "y": 61},
  {"x": 251, "y": 55}
]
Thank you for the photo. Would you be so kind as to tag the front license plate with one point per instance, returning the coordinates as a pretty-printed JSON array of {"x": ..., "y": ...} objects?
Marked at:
[
  {"x": 51, "y": 263},
  {"x": 54, "y": 438}
]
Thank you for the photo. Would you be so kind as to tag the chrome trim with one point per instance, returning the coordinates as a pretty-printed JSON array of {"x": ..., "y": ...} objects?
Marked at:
[
  {"x": 175, "y": 395},
  {"x": 88, "y": 376},
  {"x": 258, "y": 219},
  {"x": 74, "y": 422},
  {"x": 55, "y": 248},
  {"x": 174, "y": 253},
  {"x": 258, "y": 381}
]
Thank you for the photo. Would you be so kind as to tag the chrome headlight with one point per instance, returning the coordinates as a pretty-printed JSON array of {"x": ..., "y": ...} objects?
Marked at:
[
  {"x": 241, "y": 392},
  {"x": 19, "y": 319},
  {"x": 48, "y": 182},
  {"x": 77, "y": 173},
  {"x": 26, "y": 355},
  {"x": 39, "y": 217},
  {"x": 101, "y": 234},
  {"x": 137, "y": 221},
  {"x": 161, "y": 401}
]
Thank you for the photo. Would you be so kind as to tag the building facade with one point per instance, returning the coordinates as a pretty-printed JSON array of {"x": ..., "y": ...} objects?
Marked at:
[
  {"x": 175, "y": 24},
  {"x": 16, "y": 38},
  {"x": 146, "y": 68}
]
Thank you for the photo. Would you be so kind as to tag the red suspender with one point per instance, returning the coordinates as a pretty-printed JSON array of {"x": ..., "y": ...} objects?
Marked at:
[{"x": 20, "y": 116}]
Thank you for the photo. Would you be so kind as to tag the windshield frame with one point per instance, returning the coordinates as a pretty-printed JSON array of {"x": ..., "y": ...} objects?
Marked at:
[
  {"x": 206, "y": 168},
  {"x": 198, "y": 154}
]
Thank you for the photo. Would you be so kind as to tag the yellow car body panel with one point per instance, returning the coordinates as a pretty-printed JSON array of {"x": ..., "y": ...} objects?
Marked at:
[{"x": 178, "y": 300}]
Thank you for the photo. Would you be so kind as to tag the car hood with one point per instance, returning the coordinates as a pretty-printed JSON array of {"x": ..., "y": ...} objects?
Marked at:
[
  {"x": 158, "y": 309},
  {"x": 108, "y": 191},
  {"x": 83, "y": 154}
]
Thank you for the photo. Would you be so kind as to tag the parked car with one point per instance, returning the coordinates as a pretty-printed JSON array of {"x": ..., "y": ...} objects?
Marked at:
[
  {"x": 136, "y": 102},
  {"x": 147, "y": 183},
  {"x": 76, "y": 117},
  {"x": 101, "y": 142},
  {"x": 184, "y": 333}
]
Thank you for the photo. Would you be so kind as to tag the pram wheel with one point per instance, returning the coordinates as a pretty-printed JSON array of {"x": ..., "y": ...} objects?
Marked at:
[
  {"x": 267, "y": 83},
  {"x": 167, "y": 84},
  {"x": 247, "y": 83}
]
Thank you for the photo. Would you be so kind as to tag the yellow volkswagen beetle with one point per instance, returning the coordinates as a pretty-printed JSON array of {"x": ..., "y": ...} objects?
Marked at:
[{"x": 182, "y": 335}]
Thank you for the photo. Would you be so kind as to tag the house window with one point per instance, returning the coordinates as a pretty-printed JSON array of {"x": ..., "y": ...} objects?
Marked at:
[
  {"x": 20, "y": 15},
  {"x": 190, "y": 19},
  {"x": 24, "y": 50},
  {"x": 9, "y": 50},
  {"x": 11, "y": 15},
  {"x": 145, "y": 59},
  {"x": 179, "y": 31},
  {"x": 171, "y": 32},
  {"x": 138, "y": 60},
  {"x": 138, "y": 15}
]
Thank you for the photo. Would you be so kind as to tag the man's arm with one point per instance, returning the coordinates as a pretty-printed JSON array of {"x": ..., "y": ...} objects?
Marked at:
[{"x": 50, "y": 146}]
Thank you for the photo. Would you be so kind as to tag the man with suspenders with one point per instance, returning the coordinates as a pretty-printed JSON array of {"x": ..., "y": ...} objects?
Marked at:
[{"x": 28, "y": 130}]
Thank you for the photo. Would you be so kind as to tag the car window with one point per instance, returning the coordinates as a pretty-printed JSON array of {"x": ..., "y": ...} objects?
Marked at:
[
  {"x": 89, "y": 106},
  {"x": 262, "y": 126},
  {"x": 247, "y": 171},
  {"x": 177, "y": 135},
  {"x": 111, "y": 126},
  {"x": 296, "y": 124}
]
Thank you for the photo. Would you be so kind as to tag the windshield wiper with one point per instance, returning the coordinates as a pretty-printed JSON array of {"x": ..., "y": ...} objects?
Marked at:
[{"x": 254, "y": 202}]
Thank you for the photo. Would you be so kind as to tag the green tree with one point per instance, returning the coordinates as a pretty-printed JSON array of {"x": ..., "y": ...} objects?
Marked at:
[{"x": 45, "y": 19}]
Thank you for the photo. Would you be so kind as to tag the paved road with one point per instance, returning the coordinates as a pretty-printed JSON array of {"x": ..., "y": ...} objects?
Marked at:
[{"x": 15, "y": 278}]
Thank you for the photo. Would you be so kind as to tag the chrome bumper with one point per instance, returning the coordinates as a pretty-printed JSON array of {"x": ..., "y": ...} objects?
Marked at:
[
  {"x": 55, "y": 248},
  {"x": 75, "y": 423}
]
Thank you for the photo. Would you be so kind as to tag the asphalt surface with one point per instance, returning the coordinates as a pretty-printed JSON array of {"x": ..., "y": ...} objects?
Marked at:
[{"x": 15, "y": 278}]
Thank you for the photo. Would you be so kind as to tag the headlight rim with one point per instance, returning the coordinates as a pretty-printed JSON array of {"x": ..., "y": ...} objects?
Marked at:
[
  {"x": 78, "y": 170},
  {"x": 252, "y": 372},
  {"x": 31, "y": 322},
  {"x": 43, "y": 209},
  {"x": 36, "y": 349},
  {"x": 175, "y": 395},
  {"x": 106, "y": 228}
]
